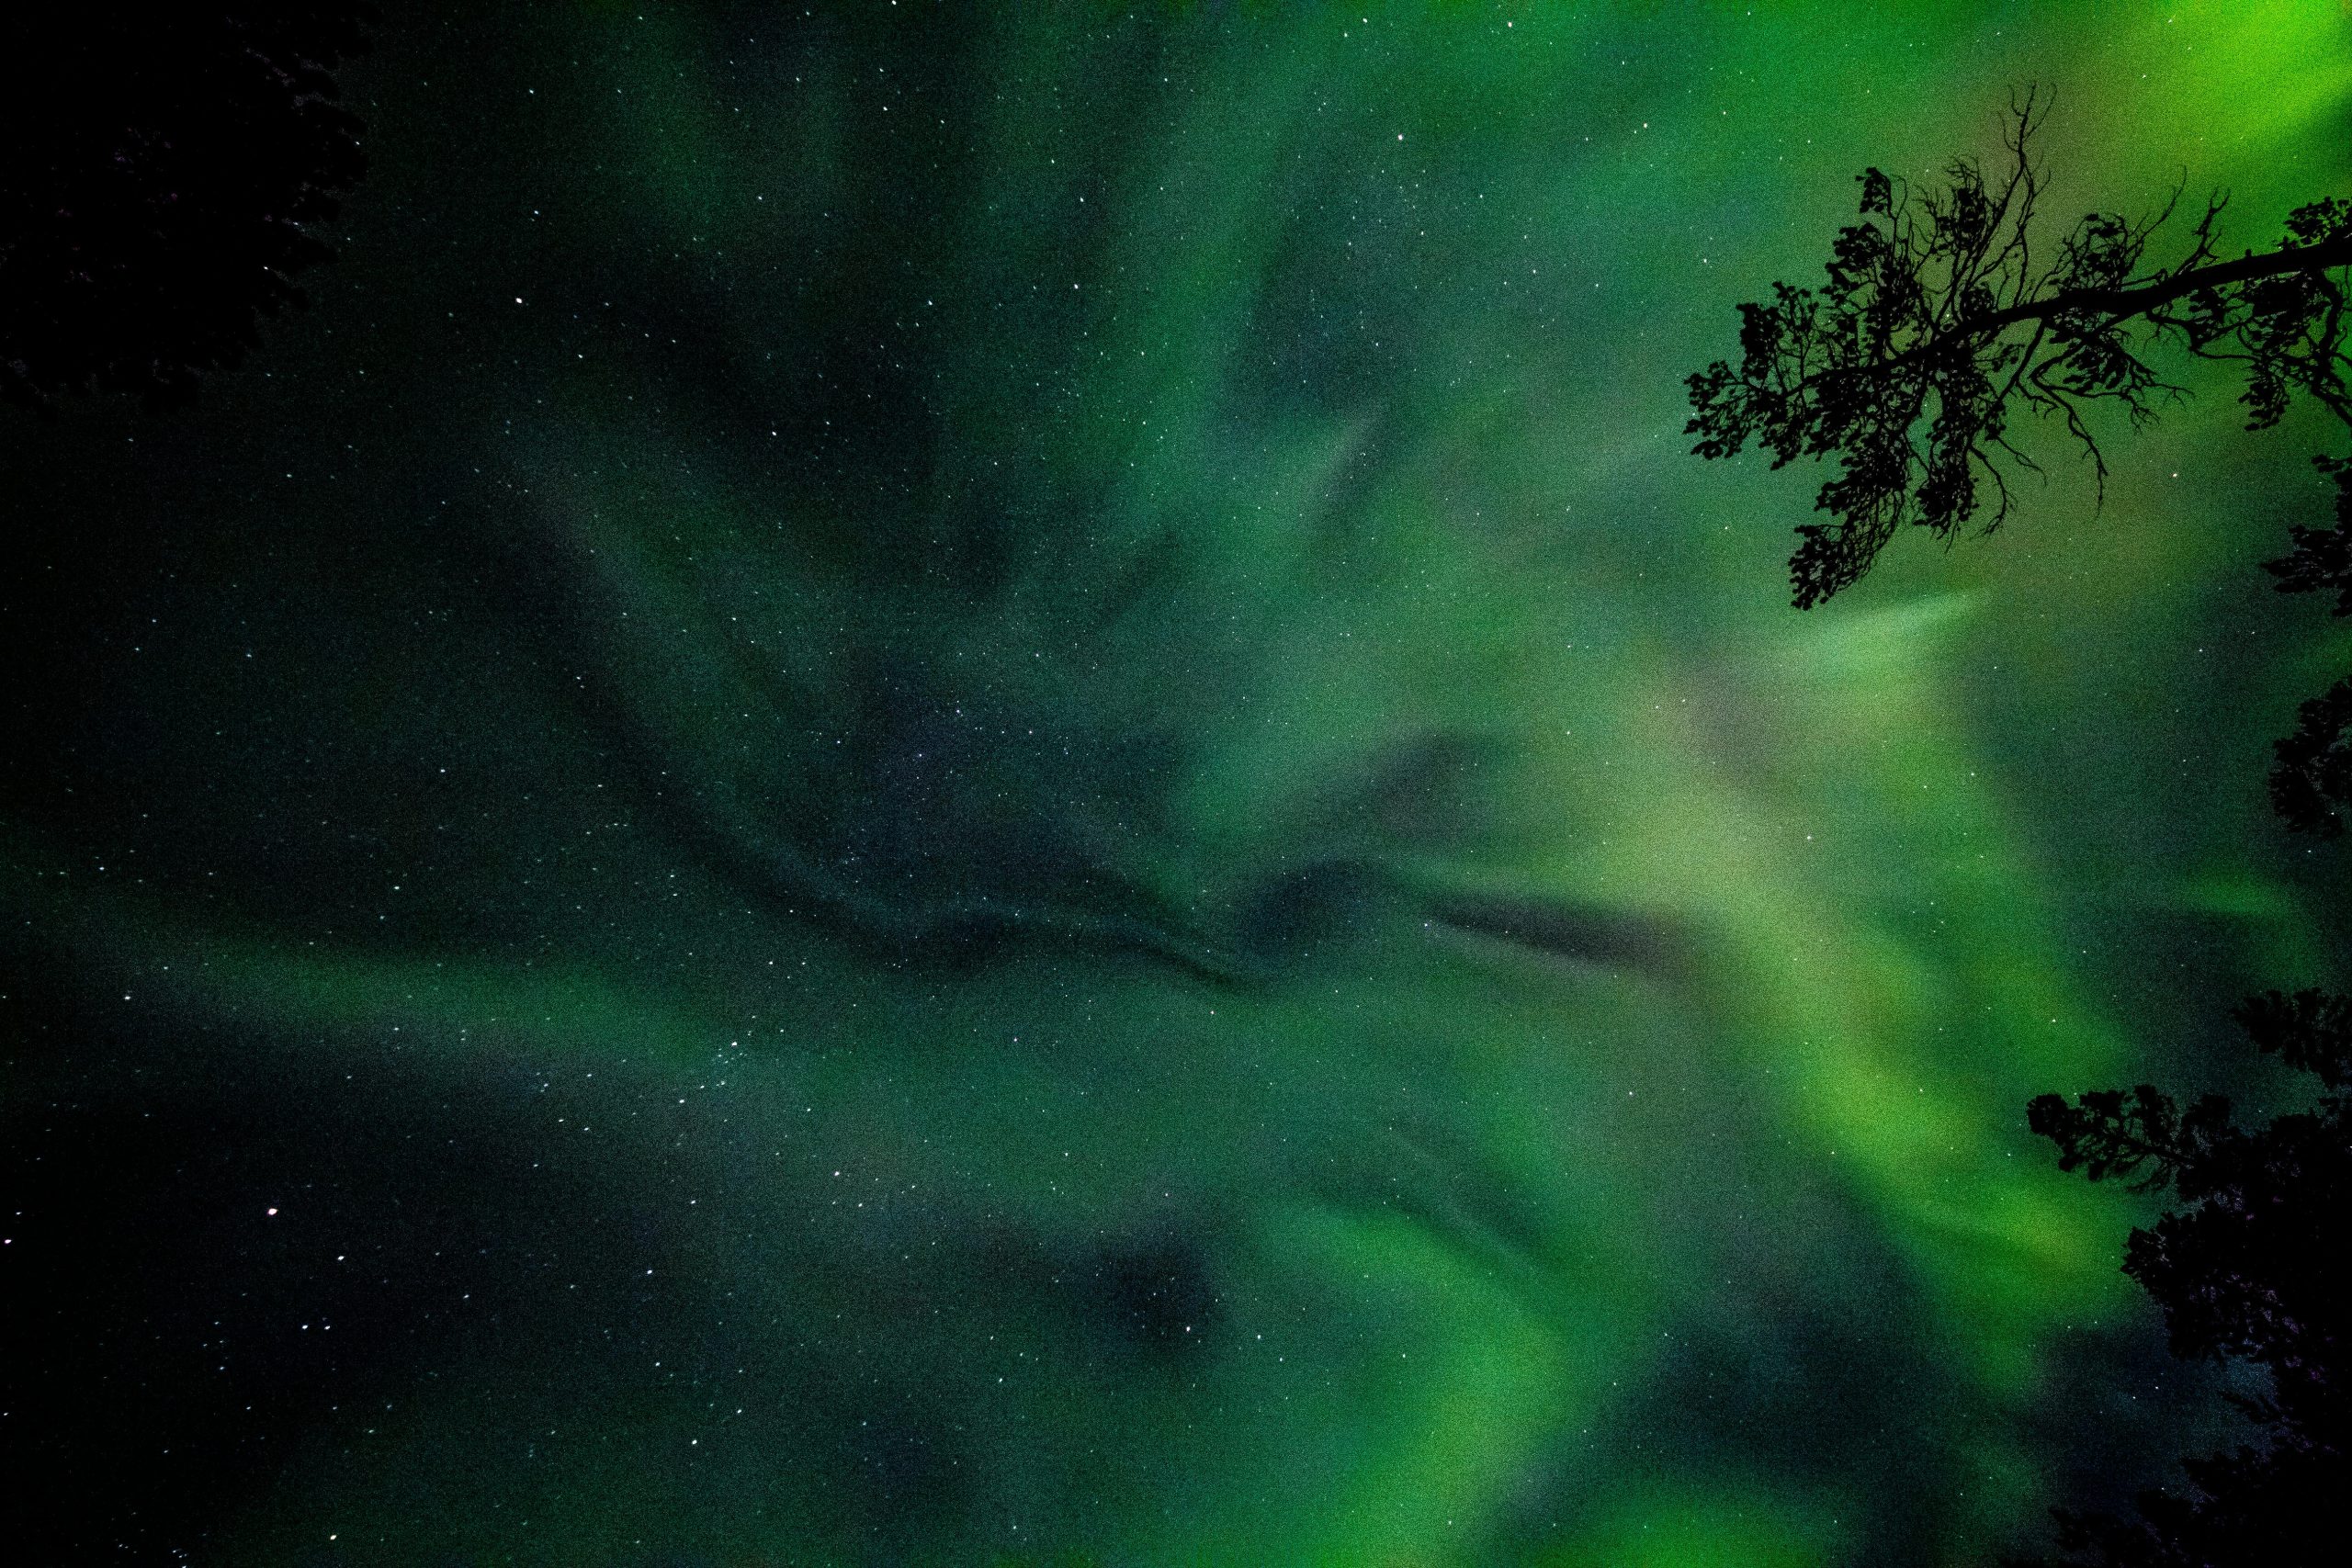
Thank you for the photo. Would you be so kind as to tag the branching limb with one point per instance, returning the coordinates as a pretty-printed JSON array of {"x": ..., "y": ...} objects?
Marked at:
[{"x": 1934, "y": 321}]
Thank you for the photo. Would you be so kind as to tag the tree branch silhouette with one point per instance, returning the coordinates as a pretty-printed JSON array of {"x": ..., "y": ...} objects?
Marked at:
[
  {"x": 1939, "y": 321},
  {"x": 1936, "y": 318},
  {"x": 2253, "y": 1266}
]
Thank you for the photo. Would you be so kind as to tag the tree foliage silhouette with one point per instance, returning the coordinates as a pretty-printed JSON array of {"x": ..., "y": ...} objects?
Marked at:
[
  {"x": 2253, "y": 1266},
  {"x": 1937, "y": 322},
  {"x": 2311, "y": 785},
  {"x": 162, "y": 175},
  {"x": 1948, "y": 311}
]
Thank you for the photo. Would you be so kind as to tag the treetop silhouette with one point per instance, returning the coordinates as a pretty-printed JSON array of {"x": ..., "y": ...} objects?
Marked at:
[
  {"x": 1937, "y": 323},
  {"x": 2252, "y": 1267},
  {"x": 1946, "y": 310}
]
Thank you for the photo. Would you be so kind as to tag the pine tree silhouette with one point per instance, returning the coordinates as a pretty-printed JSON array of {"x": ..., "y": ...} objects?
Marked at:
[{"x": 1936, "y": 324}]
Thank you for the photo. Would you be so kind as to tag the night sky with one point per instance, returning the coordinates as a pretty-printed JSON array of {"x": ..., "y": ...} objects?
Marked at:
[{"x": 986, "y": 785}]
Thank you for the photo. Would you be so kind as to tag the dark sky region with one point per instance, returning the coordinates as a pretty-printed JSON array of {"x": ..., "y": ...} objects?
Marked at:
[{"x": 968, "y": 785}]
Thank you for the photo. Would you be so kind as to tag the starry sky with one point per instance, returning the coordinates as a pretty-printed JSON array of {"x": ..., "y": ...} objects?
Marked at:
[{"x": 985, "y": 786}]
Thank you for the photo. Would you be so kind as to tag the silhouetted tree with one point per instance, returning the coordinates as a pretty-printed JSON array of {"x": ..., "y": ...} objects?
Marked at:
[
  {"x": 1945, "y": 313},
  {"x": 2253, "y": 1266},
  {"x": 1937, "y": 323},
  {"x": 2311, "y": 786},
  {"x": 160, "y": 168}
]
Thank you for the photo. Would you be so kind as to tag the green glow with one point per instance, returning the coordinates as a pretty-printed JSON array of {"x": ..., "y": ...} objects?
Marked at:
[{"x": 1298, "y": 502}]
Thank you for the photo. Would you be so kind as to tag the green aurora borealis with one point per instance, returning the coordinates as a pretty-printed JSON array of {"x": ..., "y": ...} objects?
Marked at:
[{"x": 934, "y": 785}]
